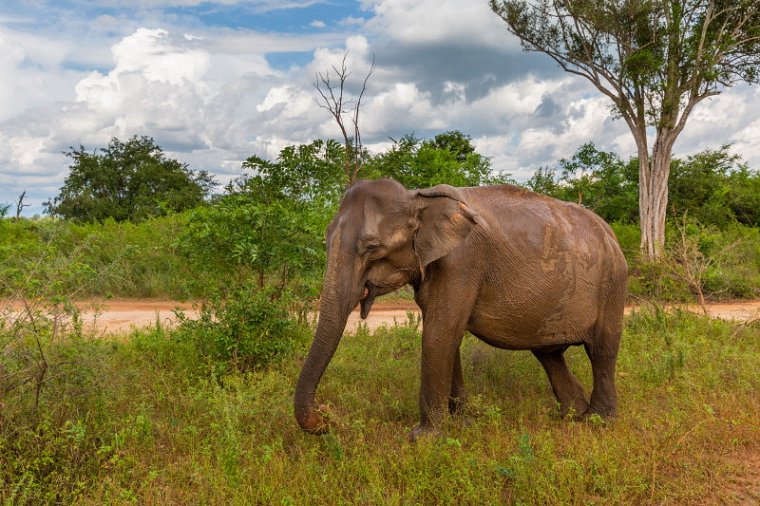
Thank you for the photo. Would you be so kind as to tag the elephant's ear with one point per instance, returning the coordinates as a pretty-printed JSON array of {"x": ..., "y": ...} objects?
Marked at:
[{"x": 444, "y": 221}]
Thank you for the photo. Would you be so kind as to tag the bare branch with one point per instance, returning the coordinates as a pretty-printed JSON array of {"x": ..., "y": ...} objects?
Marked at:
[
  {"x": 333, "y": 99},
  {"x": 20, "y": 205}
]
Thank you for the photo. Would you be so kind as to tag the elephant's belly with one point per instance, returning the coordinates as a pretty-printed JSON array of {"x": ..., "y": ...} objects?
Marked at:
[{"x": 528, "y": 335}]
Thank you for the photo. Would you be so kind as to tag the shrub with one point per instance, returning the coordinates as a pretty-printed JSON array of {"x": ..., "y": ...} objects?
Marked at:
[
  {"x": 113, "y": 259},
  {"x": 727, "y": 261},
  {"x": 244, "y": 329}
]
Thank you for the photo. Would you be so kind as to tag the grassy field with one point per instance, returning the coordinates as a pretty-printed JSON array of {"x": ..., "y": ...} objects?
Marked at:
[{"x": 146, "y": 420}]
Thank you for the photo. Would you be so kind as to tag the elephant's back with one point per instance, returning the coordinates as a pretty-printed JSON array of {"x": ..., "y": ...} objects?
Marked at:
[
  {"x": 551, "y": 264},
  {"x": 540, "y": 224}
]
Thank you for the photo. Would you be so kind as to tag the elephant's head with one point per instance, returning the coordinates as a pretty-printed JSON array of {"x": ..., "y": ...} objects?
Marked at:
[{"x": 381, "y": 239}]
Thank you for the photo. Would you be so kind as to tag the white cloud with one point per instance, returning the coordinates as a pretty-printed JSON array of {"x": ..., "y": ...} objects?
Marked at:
[
  {"x": 211, "y": 98},
  {"x": 437, "y": 22},
  {"x": 526, "y": 147},
  {"x": 358, "y": 59},
  {"x": 519, "y": 98},
  {"x": 401, "y": 109},
  {"x": 10, "y": 58},
  {"x": 258, "y": 6},
  {"x": 26, "y": 83},
  {"x": 730, "y": 117},
  {"x": 158, "y": 86},
  {"x": 352, "y": 21},
  {"x": 205, "y": 96},
  {"x": 501, "y": 150},
  {"x": 150, "y": 70},
  {"x": 244, "y": 42}
]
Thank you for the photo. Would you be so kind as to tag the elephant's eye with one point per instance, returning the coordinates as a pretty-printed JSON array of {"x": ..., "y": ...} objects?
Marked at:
[
  {"x": 372, "y": 248},
  {"x": 369, "y": 246}
]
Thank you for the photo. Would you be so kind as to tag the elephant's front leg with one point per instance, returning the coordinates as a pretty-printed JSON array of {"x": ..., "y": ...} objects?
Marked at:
[{"x": 441, "y": 376}]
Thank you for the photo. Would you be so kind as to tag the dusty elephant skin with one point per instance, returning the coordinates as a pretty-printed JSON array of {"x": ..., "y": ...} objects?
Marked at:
[{"x": 518, "y": 270}]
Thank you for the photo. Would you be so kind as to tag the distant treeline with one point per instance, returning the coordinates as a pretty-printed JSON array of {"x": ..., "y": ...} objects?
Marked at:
[{"x": 134, "y": 223}]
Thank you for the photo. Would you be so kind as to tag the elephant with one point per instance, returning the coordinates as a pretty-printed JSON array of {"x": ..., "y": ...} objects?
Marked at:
[{"x": 518, "y": 270}]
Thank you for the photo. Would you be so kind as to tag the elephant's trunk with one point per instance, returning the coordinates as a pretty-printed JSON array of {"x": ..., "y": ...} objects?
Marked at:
[{"x": 338, "y": 299}]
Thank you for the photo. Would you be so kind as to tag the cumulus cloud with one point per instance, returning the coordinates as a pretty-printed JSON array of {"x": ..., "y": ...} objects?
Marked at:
[
  {"x": 727, "y": 118},
  {"x": 23, "y": 85},
  {"x": 433, "y": 22},
  {"x": 211, "y": 96},
  {"x": 209, "y": 100},
  {"x": 352, "y": 21},
  {"x": 258, "y": 6}
]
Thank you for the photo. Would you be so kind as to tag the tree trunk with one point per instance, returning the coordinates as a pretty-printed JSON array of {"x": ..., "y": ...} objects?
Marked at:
[{"x": 653, "y": 197}]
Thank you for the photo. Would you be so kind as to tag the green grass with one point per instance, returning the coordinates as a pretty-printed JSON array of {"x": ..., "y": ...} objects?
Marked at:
[{"x": 141, "y": 420}]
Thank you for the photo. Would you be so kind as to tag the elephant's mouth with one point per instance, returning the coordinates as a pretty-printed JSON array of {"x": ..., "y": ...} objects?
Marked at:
[{"x": 370, "y": 292}]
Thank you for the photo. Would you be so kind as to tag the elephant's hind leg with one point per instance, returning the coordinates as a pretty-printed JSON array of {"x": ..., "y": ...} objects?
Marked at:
[
  {"x": 604, "y": 395},
  {"x": 602, "y": 352},
  {"x": 567, "y": 389}
]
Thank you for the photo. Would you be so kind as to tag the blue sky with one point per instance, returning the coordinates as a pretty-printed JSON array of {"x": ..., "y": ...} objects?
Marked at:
[{"x": 216, "y": 82}]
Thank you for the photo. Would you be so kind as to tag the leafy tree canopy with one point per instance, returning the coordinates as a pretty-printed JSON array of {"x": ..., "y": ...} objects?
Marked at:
[
  {"x": 448, "y": 158},
  {"x": 712, "y": 187},
  {"x": 130, "y": 180},
  {"x": 655, "y": 60},
  {"x": 273, "y": 220},
  {"x": 715, "y": 188},
  {"x": 303, "y": 173},
  {"x": 596, "y": 179}
]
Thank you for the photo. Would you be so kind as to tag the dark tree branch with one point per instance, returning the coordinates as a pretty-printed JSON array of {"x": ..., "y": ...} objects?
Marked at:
[
  {"x": 20, "y": 205},
  {"x": 333, "y": 100}
]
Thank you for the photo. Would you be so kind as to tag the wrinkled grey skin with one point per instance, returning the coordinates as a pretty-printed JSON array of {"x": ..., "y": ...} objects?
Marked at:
[{"x": 518, "y": 270}]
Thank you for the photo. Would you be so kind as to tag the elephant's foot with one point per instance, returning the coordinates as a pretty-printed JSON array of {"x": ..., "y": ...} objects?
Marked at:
[
  {"x": 606, "y": 413},
  {"x": 575, "y": 410}
]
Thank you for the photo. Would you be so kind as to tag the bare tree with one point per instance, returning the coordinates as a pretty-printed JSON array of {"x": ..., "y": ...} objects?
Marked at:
[
  {"x": 655, "y": 60},
  {"x": 20, "y": 204},
  {"x": 333, "y": 97}
]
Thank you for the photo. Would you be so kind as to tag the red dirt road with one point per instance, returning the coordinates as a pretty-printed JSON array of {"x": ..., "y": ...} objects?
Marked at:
[{"x": 119, "y": 316}]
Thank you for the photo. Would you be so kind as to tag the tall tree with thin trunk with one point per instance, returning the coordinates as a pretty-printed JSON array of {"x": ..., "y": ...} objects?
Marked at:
[
  {"x": 333, "y": 96},
  {"x": 656, "y": 60}
]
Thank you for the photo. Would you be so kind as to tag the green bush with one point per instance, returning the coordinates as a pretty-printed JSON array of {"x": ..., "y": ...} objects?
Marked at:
[
  {"x": 58, "y": 431},
  {"x": 112, "y": 259},
  {"x": 712, "y": 186},
  {"x": 448, "y": 158},
  {"x": 629, "y": 237},
  {"x": 245, "y": 328},
  {"x": 736, "y": 273},
  {"x": 241, "y": 237},
  {"x": 654, "y": 281},
  {"x": 731, "y": 258}
]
